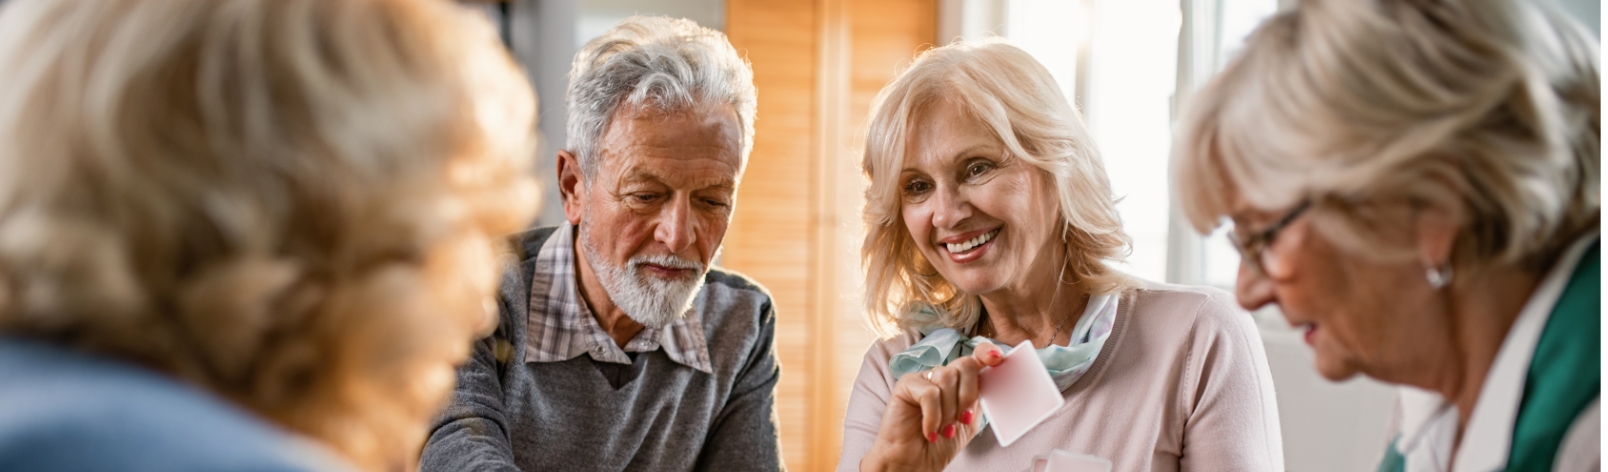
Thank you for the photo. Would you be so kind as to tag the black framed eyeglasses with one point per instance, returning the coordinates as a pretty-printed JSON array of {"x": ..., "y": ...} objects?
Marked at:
[{"x": 1251, "y": 247}]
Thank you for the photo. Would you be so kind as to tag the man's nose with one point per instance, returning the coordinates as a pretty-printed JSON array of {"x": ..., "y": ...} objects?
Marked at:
[
  {"x": 950, "y": 207},
  {"x": 676, "y": 229}
]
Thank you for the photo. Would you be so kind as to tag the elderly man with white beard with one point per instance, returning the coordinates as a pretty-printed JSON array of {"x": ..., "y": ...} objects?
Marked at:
[{"x": 620, "y": 347}]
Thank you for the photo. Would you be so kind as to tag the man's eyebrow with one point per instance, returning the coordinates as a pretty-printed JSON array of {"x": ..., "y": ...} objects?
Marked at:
[
  {"x": 639, "y": 175},
  {"x": 644, "y": 176}
]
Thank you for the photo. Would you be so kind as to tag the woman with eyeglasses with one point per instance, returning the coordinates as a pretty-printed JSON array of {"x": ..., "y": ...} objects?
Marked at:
[
  {"x": 1415, "y": 185},
  {"x": 991, "y": 223}
]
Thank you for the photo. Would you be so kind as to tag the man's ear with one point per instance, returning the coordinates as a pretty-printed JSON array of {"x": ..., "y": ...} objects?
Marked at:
[{"x": 571, "y": 186}]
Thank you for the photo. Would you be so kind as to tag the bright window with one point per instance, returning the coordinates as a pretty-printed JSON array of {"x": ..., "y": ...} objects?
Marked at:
[
  {"x": 1238, "y": 18},
  {"x": 1132, "y": 57}
]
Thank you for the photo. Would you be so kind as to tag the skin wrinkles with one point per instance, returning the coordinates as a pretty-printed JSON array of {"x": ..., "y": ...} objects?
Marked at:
[
  {"x": 958, "y": 182},
  {"x": 665, "y": 185},
  {"x": 1381, "y": 317}
]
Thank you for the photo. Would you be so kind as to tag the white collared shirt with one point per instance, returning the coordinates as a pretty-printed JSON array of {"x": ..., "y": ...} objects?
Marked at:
[{"x": 1428, "y": 423}]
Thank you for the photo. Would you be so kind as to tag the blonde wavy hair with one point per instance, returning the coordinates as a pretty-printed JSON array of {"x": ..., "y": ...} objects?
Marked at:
[
  {"x": 1003, "y": 88},
  {"x": 1491, "y": 106},
  {"x": 290, "y": 203}
]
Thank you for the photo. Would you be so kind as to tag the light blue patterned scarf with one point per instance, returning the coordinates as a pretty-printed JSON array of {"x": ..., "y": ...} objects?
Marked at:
[{"x": 1065, "y": 363}]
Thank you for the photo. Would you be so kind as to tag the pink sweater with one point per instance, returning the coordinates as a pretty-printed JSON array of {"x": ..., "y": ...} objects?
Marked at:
[{"x": 1181, "y": 384}]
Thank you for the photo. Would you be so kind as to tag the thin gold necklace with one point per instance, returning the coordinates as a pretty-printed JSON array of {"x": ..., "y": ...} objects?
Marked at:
[
  {"x": 1057, "y": 332},
  {"x": 989, "y": 326},
  {"x": 1058, "y": 325}
]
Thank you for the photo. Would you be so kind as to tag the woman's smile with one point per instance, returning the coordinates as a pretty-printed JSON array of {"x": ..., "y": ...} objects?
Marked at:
[{"x": 968, "y": 247}]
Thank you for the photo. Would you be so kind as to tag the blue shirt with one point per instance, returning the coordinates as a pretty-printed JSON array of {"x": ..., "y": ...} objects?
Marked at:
[{"x": 61, "y": 410}]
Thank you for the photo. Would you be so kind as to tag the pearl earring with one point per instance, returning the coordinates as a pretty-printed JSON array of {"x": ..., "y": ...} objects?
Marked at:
[{"x": 1439, "y": 277}]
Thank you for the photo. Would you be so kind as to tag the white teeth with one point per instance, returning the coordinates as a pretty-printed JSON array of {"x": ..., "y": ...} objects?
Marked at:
[{"x": 971, "y": 243}]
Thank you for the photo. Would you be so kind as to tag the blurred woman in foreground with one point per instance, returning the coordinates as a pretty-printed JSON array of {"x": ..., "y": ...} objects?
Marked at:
[
  {"x": 1415, "y": 185},
  {"x": 990, "y": 222},
  {"x": 226, "y": 226}
]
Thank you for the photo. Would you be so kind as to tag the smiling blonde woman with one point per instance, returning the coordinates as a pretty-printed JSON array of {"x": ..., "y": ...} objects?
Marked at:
[
  {"x": 991, "y": 222},
  {"x": 229, "y": 227}
]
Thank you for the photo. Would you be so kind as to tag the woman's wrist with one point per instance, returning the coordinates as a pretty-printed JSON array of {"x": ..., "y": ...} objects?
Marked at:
[
  {"x": 873, "y": 461},
  {"x": 877, "y": 460},
  {"x": 869, "y": 464}
]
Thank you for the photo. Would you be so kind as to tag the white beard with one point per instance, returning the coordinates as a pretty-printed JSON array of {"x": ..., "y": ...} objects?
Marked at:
[{"x": 655, "y": 302}]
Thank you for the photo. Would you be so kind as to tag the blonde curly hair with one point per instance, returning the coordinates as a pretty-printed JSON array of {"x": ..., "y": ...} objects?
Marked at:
[
  {"x": 1012, "y": 94},
  {"x": 290, "y": 203}
]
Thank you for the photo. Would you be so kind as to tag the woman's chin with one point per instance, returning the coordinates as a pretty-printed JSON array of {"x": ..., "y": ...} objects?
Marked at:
[
  {"x": 974, "y": 279},
  {"x": 1334, "y": 370},
  {"x": 972, "y": 284}
]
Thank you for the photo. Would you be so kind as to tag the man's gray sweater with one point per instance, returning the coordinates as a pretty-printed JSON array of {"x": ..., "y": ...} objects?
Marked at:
[{"x": 508, "y": 414}]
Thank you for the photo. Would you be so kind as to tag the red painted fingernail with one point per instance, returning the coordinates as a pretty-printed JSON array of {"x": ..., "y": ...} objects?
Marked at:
[
  {"x": 994, "y": 355},
  {"x": 949, "y": 430},
  {"x": 932, "y": 437},
  {"x": 965, "y": 417}
]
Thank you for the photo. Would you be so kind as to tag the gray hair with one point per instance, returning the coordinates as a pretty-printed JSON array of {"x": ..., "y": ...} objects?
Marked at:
[
  {"x": 1488, "y": 105},
  {"x": 666, "y": 63}
]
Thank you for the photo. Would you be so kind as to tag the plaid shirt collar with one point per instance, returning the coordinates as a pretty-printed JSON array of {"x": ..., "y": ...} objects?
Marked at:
[{"x": 560, "y": 326}]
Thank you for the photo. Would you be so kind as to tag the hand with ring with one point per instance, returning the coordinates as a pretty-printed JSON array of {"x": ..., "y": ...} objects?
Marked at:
[{"x": 932, "y": 416}]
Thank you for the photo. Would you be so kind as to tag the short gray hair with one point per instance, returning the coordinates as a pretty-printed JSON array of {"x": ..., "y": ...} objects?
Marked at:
[
  {"x": 666, "y": 63},
  {"x": 1488, "y": 105}
]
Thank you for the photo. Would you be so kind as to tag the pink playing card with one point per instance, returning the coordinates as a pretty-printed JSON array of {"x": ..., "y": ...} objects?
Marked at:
[
  {"x": 1017, "y": 394},
  {"x": 1062, "y": 461}
]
